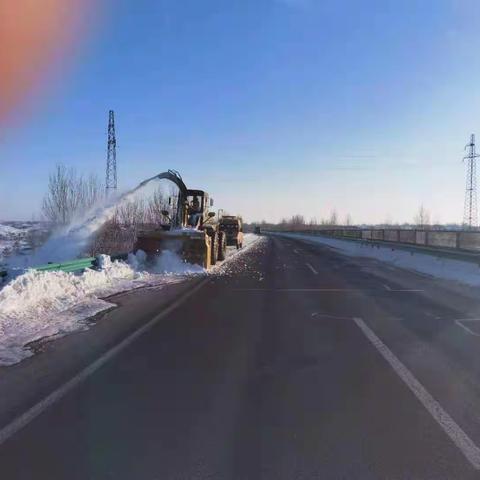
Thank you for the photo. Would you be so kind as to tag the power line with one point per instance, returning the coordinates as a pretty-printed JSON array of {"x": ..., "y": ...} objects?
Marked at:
[
  {"x": 470, "y": 213},
  {"x": 111, "y": 172}
]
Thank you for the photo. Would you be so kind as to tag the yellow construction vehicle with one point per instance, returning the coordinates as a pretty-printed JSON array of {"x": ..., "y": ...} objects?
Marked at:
[
  {"x": 232, "y": 227},
  {"x": 190, "y": 229}
]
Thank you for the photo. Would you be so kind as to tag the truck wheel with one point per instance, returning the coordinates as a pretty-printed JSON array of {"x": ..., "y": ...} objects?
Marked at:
[
  {"x": 214, "y": 249},
  {"x": 222, "y": 247}
]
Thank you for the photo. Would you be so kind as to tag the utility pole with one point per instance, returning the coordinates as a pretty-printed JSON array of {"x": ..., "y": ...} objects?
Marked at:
[
  {"x": 470, "y": 215},
  {"x": 111, "y": 172}
]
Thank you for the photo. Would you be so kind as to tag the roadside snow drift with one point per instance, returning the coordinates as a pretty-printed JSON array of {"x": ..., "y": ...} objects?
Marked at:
[
  {"x": 37, "y": 305},
  {"x": 439, "y": 267},
  {"x": 42, "y": 304}
]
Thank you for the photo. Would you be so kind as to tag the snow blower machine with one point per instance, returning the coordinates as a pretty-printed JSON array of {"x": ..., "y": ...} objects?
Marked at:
[{"x": 189, "y": 228}]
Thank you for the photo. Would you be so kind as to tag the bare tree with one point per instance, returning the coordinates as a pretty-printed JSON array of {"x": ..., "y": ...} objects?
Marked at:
[
  {"x": 156, "y": 205},
  {"x": 333, "y": 220},
  {"x": 422, "y": 218},
  {"x": 131, "y": 213},
  {"x": 296, "y": 221},
  {"x": 92, "y": 190},
  {"x": 69, "y": 194},
  {"x": 348, "y": 220}
]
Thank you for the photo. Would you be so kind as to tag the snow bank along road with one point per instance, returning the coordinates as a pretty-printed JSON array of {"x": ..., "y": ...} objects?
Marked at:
[
  {"x": 38, "y": 305},
  {"x": 302, "y": 363}
]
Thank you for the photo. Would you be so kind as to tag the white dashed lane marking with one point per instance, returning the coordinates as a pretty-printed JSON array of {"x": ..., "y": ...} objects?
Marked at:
[{"x": 311, "y": 269}]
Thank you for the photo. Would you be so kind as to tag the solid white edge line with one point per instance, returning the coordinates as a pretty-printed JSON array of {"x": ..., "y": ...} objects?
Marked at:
[
  {"x": 408, "y": 290},
  {"x": 24, "y": 419},
  {"x": 297, "y": 290},
  {"x": 468, "y": 330},
  {"x": 446, "y": 422},
  {"x": 387, "y": 287},
  {"x": 311, "y": 268},
  {"x": 317, "y": 290}
]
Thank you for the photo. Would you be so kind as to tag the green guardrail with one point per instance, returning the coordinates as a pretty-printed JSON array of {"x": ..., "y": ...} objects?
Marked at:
[
  {"x": 70, "y": 266},
  {"x": 78, "y": 264}
]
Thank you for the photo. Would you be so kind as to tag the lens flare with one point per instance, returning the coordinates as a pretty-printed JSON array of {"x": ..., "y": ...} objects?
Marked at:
[{"x": 35, "y": 36}]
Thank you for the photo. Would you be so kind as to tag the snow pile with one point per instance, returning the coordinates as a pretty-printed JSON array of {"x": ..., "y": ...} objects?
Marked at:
[
  {"x": 439, "y": 267},
  {"x": 38, "y": 304},
  {"x": 42, "y": 304},
  {"x": 171, "y": 264}
]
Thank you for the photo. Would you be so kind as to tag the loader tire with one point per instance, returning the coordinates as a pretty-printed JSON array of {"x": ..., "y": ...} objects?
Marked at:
[
  {"x": 222, "y": 246},
  {"x": 214, "y": 250}
]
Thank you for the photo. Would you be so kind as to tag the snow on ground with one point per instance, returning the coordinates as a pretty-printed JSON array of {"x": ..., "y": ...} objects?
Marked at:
[
  {"x": 439, "y": 267},
  {"x": 237, "y": 262},
  {"x": 20, "y": 237},
  {"x": 37, "y": 304},
  {"x": 9, "y": 238},
  {"x": 42, "y": 304},
  {"x": 6, "y": 230}
]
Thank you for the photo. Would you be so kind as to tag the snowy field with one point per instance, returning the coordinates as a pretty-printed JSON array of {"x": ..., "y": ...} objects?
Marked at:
[
  {"x": 440, "y": 267},
  {"x": 20, "y": 237},
  {"x": 10, "y": 237},
  {"x": 36, "y": 304}
]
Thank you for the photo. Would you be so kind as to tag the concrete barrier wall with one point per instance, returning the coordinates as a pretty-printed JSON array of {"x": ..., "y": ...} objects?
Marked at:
[
  {"x": 407, "y": 236},
  {"x": 469, "y": 240},
  {"x": 352, "y": 233},
  {"x": 420, "y": 237},
  {"x": 391, "y": 235},
  {"x": 442, "y": 239},
  {"x": 377, "y": 234},
  {"x": 462, "y": 240}
]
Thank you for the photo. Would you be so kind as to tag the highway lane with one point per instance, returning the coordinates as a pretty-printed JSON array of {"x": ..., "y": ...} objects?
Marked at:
[{"x": 275, "y": 371}]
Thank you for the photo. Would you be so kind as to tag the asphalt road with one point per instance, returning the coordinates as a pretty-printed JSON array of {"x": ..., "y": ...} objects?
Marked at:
[{"x": 299, "y": 363}]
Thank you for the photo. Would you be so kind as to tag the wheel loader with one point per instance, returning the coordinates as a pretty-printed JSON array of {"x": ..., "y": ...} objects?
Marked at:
[{"x": 190, "y": 229}]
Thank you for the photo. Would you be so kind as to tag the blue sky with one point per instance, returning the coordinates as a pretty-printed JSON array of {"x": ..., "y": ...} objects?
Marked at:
[{"x": 273, "y": 106}]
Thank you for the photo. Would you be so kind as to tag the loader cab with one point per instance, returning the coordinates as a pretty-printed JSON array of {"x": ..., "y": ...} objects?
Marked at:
[{"x": 198, "y": 205}]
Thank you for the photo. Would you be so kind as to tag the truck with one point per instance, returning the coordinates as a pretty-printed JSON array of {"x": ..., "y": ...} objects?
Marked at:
[{"x": 232, "y": 227}]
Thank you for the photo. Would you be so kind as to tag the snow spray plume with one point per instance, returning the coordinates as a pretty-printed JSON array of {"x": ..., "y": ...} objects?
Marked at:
[{"x": 71, "y": 241}]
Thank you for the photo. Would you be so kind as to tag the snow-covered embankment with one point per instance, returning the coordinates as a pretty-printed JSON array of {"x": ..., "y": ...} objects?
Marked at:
[{"x": 436, "y": 266}]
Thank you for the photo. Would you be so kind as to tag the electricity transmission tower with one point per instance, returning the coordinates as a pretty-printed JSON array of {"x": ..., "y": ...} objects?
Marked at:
[
  {"x": 470, "y": 215},
  {"x": 111, "y": 172}
]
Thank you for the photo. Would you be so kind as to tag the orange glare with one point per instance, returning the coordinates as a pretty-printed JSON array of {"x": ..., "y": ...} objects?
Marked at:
[{"x": 34, "y": 35}]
